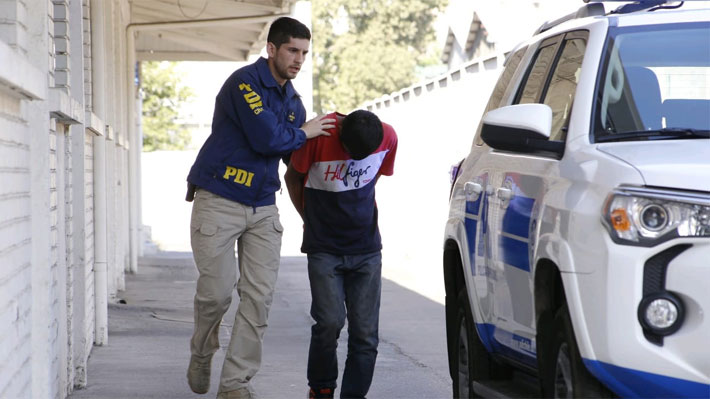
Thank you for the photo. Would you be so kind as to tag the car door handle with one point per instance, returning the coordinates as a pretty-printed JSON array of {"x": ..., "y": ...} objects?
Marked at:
[
  {"x": 472, "y": 188},
  {"x": 504, "y": 194}
]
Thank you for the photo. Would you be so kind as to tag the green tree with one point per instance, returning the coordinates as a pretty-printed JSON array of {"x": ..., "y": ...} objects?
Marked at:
[
  {"x": 366, "y": 48},
  {"x": 162, "y": 96}
]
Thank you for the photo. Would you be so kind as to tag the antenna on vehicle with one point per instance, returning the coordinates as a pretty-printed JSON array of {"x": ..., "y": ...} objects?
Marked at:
[{"x": 639, "y": 5}]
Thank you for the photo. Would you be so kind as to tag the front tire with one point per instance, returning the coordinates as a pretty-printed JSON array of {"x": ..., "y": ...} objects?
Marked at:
[
  {"x": 463, "y": 350},
  {"x": 471, "y": 360},
  {"x": 565, "y": 373}
]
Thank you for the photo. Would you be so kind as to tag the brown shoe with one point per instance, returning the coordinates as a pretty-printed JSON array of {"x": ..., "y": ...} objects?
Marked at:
[{"x": 198, "y": 373}]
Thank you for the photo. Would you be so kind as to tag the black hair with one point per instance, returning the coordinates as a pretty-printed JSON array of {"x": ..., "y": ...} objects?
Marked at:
[
  {"x": 285, "y": 28},
  {"x": 361, "y": 133}
]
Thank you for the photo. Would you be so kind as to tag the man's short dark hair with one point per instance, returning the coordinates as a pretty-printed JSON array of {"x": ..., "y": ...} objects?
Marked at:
[
  {"x": 285, "y": 28},
  {"x": 361, "y": 133}
]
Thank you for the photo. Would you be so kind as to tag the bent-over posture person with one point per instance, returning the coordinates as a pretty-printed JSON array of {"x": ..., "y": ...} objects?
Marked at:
[{"x": 331, "y": 181}]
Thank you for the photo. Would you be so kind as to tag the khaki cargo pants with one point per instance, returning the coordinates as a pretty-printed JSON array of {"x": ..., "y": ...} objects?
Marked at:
[{"x": 216, "y": 224}]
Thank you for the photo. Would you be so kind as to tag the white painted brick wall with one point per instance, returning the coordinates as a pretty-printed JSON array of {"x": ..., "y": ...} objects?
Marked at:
[
  {"x": 53, "y": 257},
  {"x": 62, "y": 69},
  {"x": 15, "y": 251},
  {"x": 47, "y": 250},
  {"x": 124, "y": 256},
  {"x": 89, "y": 305},
  {"x": 51, "y": 60},
  {"x": 117, "y": 249},
  {"x": 60, "y": 259},
  {"x": 76, "y": 274},
  {"x": 15, "y": 377},
  {"x": 86, "y": 23},
  {"x": 59, "y": 289},
  {"x": 111, "y": 204},
  {"x": 80, "y": 317},
  {"x": 15, "y": 295},
  {"x": 118, "y": 218},
  {"x": 68, "y": 366},
  {"x": 13, "y": 29}
]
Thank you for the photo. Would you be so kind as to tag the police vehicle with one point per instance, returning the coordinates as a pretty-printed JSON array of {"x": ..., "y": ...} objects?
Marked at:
[{"x": 577, "y": 247}]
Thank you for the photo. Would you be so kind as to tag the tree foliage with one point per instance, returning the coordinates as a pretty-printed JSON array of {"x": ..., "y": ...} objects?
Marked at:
[
  {"x": 162, "y": 96},
  {"x": 366, "y": 48}
]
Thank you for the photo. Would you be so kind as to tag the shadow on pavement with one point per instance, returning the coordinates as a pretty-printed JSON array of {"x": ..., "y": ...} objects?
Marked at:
[{"x": 148, "y": 346}]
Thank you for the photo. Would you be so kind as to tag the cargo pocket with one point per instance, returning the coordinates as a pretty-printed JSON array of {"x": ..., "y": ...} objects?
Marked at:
[
  {"x": 277, "y": 225},
  {"x": 277, "y": 235},
  {"x": 204, "y": 240}
]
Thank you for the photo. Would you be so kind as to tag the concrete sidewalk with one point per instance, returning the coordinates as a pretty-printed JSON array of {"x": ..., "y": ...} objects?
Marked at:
[{"x": 148, "y": 348}]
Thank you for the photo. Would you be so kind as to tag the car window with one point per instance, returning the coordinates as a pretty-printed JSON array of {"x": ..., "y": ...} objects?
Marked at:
[
  {"x": 502, "y": 85},
  {"x": 655, "y": 79},
  {"x": 506, "y": 75},
  {"x": 537, "y": 76},
  {"x": 560, "y": 92}
]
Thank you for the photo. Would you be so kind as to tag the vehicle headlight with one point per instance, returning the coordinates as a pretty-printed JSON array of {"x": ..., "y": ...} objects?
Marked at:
[{"x": 646, "y": 217}]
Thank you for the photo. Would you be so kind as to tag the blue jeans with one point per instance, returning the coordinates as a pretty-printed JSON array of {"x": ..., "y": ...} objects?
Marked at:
[{"x": 344, "y": 286}]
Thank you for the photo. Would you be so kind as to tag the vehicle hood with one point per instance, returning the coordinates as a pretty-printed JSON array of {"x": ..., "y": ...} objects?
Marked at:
[{"x": 682, "y": 164}]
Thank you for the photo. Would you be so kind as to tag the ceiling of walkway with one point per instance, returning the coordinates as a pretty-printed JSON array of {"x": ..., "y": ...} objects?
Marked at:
[{"x": 203, "y": 30}]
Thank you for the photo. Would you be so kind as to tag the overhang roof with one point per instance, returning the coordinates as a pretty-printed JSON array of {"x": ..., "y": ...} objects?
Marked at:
[{"x": 203, "y": 30}]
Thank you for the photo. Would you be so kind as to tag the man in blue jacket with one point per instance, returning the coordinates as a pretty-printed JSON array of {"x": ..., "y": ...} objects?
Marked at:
[{"x": 258, "y": 119}]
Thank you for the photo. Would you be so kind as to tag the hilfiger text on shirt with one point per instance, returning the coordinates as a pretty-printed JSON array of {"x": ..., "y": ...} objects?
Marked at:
[
  {"x": 348, "y": 170},
  {"x": 344, "y": 175}
]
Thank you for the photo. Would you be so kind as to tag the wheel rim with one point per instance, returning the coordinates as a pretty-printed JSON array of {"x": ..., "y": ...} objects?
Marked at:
[
  {"x": 563, "y": 373},
  {"x": 463, "y": 370}
]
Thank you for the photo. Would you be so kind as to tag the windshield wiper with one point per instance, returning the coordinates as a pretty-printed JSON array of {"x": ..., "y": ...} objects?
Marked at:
[{"x": 669, "y": 133}]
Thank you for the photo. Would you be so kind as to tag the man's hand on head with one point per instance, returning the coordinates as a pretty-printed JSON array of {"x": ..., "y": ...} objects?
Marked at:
[{"x": 318, "y": 126}]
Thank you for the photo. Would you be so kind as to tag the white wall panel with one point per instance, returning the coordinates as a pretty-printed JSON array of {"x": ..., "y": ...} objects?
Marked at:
[{"x": 435, "y": 122}]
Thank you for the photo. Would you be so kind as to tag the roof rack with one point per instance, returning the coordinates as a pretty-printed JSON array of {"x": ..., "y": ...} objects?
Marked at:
[
  {"x": 596, "y": 8},
  {"x": 587, "y": 10},
  {"x": 640, "y": 5}
]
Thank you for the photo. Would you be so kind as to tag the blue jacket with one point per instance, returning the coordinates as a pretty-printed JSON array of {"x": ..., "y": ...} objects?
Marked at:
[{"x": 255, "y": 123}]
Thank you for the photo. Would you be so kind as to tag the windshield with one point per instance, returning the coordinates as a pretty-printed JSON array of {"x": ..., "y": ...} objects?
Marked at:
[{"x": 655, "y": 81}]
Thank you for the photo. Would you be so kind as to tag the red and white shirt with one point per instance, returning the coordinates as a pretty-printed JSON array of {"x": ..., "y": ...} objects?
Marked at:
[{"x": 339, "y": 193}]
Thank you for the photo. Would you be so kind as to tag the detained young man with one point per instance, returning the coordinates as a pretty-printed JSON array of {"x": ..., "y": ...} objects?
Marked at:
[{"x": 331, "y": 182}]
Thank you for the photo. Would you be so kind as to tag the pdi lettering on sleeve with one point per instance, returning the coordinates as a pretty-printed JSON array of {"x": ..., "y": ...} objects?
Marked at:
[{"x": 252, "y": 98}]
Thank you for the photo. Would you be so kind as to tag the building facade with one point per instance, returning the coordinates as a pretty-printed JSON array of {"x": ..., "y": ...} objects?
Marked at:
[
  {"x": 64, "y": 187},
  {"x": 70, "y": 210}
]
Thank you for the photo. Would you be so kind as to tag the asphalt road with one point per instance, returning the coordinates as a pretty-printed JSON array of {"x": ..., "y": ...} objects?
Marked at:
[{"x": 147, "y": 353}]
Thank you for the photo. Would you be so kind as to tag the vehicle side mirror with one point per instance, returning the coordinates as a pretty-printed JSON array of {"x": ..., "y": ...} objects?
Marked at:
[{"x": 521, "y": 128}]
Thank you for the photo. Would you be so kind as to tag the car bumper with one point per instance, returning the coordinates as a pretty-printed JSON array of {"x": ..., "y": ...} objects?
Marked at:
[{"x": 613, "y": 343}]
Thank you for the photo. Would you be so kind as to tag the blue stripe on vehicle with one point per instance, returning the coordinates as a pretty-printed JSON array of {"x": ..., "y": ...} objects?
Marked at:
[
  {"x": 484, "y": 223},
  {"x": 470, "y": 225},
  {"x": 473, "y": 207},
  {"x": 516, "y": 219},
  {"x": 491, "y": 338},
  {"x": 630, "y": 383},
  {"x": 485, "y": 333},
  {"x": 515, "y": 253}
]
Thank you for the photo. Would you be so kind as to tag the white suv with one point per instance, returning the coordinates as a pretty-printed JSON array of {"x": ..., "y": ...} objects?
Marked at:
[{"x": 577, "y": 249}]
